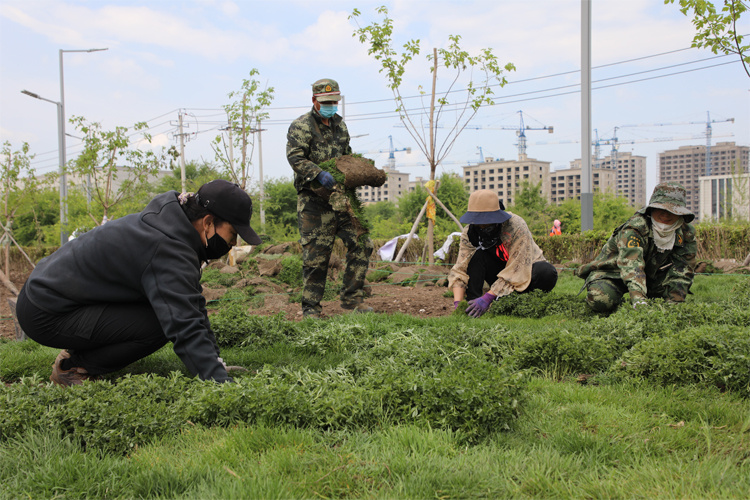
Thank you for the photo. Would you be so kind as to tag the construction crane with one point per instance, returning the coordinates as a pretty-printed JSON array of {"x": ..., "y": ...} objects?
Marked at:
[
  {"x": 391, "y": 153},
  {"x": 520, "y": 132},
  {"x": 708, "y": 134}
]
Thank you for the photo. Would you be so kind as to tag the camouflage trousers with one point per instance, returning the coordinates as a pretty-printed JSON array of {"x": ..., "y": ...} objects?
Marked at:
[
  {"x": 605, "y": 291},
  {"x": 319, "y": 225}
]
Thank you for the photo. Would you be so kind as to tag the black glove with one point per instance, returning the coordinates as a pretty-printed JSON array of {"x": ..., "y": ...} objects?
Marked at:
[{"x": 326, "y": 179}]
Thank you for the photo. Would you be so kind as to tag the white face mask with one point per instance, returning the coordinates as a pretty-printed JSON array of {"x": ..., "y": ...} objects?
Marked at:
[{"x": 664, "y": 234}]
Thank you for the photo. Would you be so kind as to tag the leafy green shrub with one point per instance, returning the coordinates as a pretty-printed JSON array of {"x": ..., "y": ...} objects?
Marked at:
[
  {"x": 115, "y": 419},
  {"x": 537, "y": 304},
  {"x": 291, "y": 270},
  {"x": 234, "y": 326},
  {"x": 378, "y": 275},
  {"x": 213, "y": 278},
  {"x": 404, "y": 379},
  {"x": 560, "y": 352},
  {"x": 718, "y": 355}
]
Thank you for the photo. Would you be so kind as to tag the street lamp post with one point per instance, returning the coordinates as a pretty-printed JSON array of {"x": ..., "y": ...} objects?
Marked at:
[
  {"x": 63, "y": 159},
  {"x": 61, "y": 154}
]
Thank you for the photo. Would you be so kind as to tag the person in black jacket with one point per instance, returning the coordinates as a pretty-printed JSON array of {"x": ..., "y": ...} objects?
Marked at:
[{"x": 121, "y": 291}]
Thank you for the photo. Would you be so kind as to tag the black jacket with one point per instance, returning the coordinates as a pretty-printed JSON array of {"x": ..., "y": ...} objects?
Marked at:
[{"x": 153, "y": 256}]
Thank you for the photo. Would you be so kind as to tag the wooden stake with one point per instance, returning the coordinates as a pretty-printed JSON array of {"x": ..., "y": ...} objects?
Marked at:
[{"x": 411, "y": 233}]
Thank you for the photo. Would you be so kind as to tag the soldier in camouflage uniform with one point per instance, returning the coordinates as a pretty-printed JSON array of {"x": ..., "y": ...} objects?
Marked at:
[
  {"x": 652, "y": 255},
  {"x": 313, "y": 138}
]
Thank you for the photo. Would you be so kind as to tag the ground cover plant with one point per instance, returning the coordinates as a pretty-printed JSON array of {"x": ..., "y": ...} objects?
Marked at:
[{"x": 538, "y": 398}]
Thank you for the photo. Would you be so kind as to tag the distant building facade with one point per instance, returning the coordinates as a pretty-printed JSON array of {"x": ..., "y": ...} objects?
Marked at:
[
  {"x": 687, "y": 164},
  {"x": 396, "y": 184},
  {"x": 626, "y": 177},
  {"x": 724, "y": 196},
  {"x": 566, "y": 183},
  {"x": 506, "y": 177}
]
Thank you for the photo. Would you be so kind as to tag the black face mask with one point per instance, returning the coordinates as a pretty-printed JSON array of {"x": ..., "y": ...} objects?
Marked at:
[
  {"x": 484, "y": 237},
  {"x": 217, "y": 247}
]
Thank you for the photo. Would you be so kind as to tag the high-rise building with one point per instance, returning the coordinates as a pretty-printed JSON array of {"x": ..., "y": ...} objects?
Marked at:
[
  {"x": 629, "y": 179},
  {"x": 506, "y": 177},
  {"x": 686, "y": 164},
  {"x": 566, "y": 183}
]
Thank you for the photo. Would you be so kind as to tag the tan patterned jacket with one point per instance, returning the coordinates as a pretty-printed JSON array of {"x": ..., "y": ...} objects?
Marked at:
[{"x": 522, "y": 253}]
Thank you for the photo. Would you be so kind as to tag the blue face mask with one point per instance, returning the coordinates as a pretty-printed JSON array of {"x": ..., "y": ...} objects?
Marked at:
[{"x": 328, "y": 111}]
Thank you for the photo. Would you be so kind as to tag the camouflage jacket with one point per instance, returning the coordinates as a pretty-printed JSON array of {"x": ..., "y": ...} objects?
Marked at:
[
  {"x": 631, "y": 255},
  {"x": 310, "y": 142},
  {"x": 522, "y": 253}
]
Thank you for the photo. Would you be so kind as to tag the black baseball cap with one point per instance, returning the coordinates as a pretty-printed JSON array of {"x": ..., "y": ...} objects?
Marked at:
[{"x": 229, "y": 202}]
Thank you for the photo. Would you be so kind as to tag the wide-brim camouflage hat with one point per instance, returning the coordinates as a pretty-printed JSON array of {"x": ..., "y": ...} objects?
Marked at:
[
  {"x": 671, "y": 197},
  {"x": 326, "y": 90},
  {"x": 484, "y": 208}
]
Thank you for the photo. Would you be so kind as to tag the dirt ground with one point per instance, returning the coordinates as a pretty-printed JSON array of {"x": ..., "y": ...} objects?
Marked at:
[
  {"x": 18, "y": 278},
  {"x": 418, "y": 301}
]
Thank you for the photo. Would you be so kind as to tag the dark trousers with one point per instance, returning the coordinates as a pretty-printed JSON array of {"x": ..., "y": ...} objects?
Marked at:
[
  {"x": 485, "y": 265},
  {"x": 100, "y": 338}
]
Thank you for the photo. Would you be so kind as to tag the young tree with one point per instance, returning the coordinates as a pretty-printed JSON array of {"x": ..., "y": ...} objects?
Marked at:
[
  {"x": 235, "y": 150},
  {"x": 111, "y": 167},
  {"x": 196, "y": 174},
  {"x": 451, "y": 103},
  {"x": 717, "y": 30},
  {"x": 281, "y": 205},
  {"x": 18, "y": 181}
]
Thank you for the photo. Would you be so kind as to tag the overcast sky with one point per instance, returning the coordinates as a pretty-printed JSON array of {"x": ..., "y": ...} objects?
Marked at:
[{"x": 166, "y": 56}]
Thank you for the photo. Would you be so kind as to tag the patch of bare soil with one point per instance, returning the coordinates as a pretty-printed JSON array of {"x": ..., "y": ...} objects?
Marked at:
[
  {"x": 422, "y": 300},
  {"x": 419, "y": 301},
  {"x": 7, "y": 327}
]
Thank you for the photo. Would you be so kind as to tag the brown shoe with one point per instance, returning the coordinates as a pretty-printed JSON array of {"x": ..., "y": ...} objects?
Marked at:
[
  {"x": 66, "y": 378},
  {"x": 358, "y": 308}
]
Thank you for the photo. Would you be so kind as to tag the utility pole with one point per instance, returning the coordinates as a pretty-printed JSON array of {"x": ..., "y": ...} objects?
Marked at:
[
  {"x": 182, "y": 155},
  {"x": 260, "y": 180},
  {"x": 587, "y": 197}
]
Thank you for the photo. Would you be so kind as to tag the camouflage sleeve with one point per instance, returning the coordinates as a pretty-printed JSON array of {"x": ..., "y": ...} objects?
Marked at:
[
  {"x": 458, "y": 275},
  {"x": 298, "y": 140},
  {"x": 345, "y": 131},
  {"x": 631, "y": 262},
  {"x": 680, "y": 276}
]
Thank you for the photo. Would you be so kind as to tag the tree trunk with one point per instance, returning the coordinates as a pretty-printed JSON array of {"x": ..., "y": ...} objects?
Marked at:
[
  {"x": 433, "y": 165},
  {"x": 411, "y": 233}
]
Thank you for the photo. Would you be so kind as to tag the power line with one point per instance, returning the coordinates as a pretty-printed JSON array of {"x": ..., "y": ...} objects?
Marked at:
[{"x": 420, "y": 111}]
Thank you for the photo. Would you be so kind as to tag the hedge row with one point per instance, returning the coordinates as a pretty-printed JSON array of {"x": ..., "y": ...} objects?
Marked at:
[{"x": 411, "y": 379}]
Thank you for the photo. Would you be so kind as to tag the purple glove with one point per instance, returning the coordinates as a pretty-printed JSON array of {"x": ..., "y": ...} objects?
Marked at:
[
  {"x": 479, "y": 306},
  {"x": 455, "y": 304},
  {"x": 326, "y": 179}
]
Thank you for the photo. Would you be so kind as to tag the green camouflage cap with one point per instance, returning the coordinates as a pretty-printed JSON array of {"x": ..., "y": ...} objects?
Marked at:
[
  {"x": 326, "y": 90},
  {"x": 671, "y": 197}
]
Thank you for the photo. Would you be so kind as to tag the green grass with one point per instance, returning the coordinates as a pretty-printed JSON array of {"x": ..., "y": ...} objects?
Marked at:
[
  {"x": 663, "y": 411},
  {"x": 616, "y": 441}
]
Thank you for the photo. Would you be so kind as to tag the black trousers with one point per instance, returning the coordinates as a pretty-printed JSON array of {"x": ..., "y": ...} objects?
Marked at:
[
  {"x": 100, "y": 338},
  {"x": 485, "y": 265}
]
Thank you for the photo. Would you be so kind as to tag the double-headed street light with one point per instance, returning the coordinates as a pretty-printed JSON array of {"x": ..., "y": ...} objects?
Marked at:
[{"x": 61, "y": 144}]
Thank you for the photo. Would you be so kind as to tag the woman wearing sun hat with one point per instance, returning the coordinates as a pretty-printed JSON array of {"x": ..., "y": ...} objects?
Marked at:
[
  {"x": 121, "y": 291},
  {"x": 651, "y": 255},
  {"x": 497, "y": 248}
]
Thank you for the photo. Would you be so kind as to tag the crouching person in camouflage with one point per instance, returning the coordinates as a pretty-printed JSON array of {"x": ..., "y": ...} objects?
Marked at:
[
  {"x": 652, "y": 255},
  {"x": 313, "y": 138}
]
